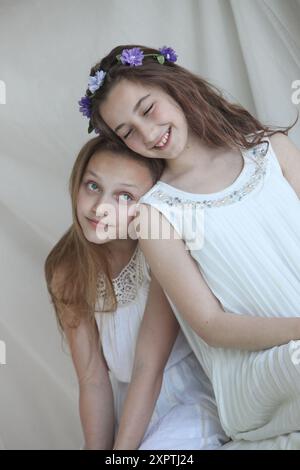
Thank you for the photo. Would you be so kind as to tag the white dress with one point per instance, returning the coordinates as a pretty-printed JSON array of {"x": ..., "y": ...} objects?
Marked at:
[
  {"x": 185, "y": 416},
  {"x": 250, "y": 259}
]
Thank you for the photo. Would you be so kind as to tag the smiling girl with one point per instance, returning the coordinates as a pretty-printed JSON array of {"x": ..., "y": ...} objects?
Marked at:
[
  {"x": 99, "y": 283},
  {"x": 240, "y": 291}
]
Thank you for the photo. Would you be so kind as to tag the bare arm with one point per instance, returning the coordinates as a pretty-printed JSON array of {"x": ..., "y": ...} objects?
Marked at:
[
  {"x": 96, "y": 405},
  {"x": 157, "y": 335},
  {"x": 180, "y": 277},
  {"x": 289, "y": 159}
]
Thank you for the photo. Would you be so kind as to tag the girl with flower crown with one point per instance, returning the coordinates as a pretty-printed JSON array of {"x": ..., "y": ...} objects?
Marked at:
[
  {"x": 99, "y": 283},
  {"x": 236, "y": 292}
]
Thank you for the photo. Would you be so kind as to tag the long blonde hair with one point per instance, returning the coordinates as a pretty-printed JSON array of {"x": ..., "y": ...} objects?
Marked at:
[{"x": 73, "y": 266}]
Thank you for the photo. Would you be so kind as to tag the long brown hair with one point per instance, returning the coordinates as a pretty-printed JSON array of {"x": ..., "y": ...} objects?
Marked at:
[
  {"x": 216, "y": 121},
  {"x": 73, "y": 266}
]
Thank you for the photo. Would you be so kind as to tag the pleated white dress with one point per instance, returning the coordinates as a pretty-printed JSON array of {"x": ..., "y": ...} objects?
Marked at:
[
  {"x": 250, "y": 259},
  {"x": 185, "y": 415}
]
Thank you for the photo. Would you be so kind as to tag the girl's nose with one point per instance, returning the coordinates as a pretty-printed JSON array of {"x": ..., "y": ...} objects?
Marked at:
[
  {"x": 148, "y": 134},
  {"x": 101, "y": 210},
  {"x": 101, "y": 206},
  {"x": 107, "y": 213}
]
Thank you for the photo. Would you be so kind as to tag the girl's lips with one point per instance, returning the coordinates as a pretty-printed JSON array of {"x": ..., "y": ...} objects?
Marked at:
[
  {"x": 94, "y": 223},
  {"x": 162, "y": 147}
]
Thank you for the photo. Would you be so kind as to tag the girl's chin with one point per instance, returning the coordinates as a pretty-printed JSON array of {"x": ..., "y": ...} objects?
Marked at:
[{"x": 92, "y": 238}]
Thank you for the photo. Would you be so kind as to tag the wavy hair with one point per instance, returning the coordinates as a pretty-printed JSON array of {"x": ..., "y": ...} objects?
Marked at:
[{"x": 215, "y": 120}]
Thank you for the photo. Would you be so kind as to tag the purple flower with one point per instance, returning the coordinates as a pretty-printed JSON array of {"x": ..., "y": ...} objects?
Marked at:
[
  {"x": 168, "y": 53},
  {"x": 85, "y": 106},
  {"x": 132, "y": 57},
  {"x": 95, "y": 81}
]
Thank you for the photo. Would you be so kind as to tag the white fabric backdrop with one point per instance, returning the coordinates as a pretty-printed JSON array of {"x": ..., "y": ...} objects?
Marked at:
[{"x": 251, "y": 48}]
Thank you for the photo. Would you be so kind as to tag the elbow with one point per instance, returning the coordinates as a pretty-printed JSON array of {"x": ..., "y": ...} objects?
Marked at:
[
  {"x": 147, "y": 371},
  {"x": 96, "y": 379}
]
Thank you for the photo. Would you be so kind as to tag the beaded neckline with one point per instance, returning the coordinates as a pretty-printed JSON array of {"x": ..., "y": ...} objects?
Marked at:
[{"x": 227, "y": 196}]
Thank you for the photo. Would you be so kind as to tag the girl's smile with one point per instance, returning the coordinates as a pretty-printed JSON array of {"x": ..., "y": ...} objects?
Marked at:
[
  {"x": 164, "y": 140},
  {"x": 147, "y": 119}
]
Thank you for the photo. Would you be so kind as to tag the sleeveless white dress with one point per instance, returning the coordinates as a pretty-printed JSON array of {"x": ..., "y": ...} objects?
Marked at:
[
  {"x": 250, "y": 258},
  {"x": 185, "y": 415}
]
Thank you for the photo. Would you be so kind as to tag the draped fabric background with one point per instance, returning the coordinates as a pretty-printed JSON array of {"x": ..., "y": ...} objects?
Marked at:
[{"x": 251, "y": 48}]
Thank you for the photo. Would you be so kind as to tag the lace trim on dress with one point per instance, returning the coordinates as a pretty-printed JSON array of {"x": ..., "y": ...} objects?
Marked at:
[
  {"x": 128, "y": 282},
  {"x": 258, "y": 152}
]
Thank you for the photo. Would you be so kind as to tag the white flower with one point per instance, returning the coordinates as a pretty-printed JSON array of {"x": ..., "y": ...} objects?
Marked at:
[{"x": 96, "y": 80}]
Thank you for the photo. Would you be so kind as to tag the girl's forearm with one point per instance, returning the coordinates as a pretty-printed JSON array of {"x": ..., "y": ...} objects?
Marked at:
[
  {"x": 230, "y": 330},
  {"x": 96, "y": 408},
  {"x": 138, "y": 409}
]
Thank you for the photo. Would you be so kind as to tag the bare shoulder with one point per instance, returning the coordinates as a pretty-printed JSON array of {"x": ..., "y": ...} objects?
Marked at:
[
  {"x": 288, "y": 156},
  {"x": 152, "y": 224},
  {"x": 285, "y": 150}
]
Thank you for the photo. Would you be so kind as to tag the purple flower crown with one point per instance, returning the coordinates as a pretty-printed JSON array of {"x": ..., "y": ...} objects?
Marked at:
[{"x": 133, "y": 57}]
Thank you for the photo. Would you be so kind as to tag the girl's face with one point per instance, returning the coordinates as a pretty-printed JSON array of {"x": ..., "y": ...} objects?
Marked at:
[
  {"x": 110, "y": 188},
  {"x": 147, "y": 119}
]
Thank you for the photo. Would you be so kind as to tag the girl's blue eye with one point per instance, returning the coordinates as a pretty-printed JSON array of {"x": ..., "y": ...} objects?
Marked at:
[
  {"x": 89, "y": 185},
  {"x": 126, "y": 196}
]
